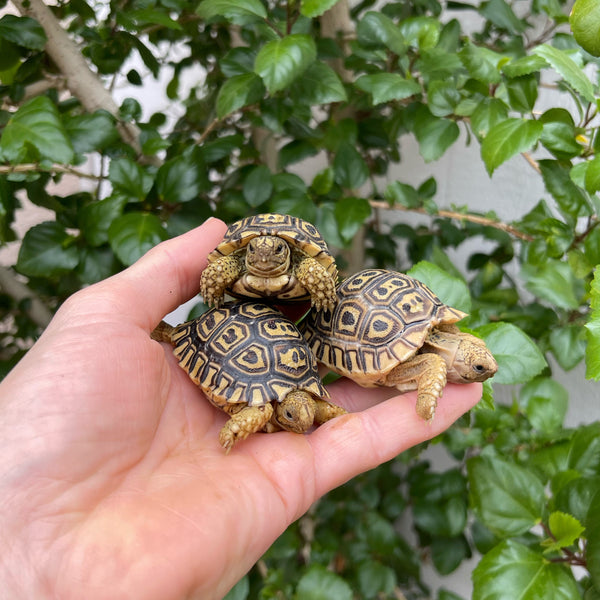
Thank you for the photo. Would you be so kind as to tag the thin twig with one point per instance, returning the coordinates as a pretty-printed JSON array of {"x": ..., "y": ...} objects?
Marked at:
[
  {"x": 32, "y": 167},
  {"x": 532, "y": 162},
  {"x": 449, "y": 214}
]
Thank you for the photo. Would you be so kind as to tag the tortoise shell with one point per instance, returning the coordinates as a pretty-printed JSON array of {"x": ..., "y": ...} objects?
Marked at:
[
  {"x": 300, "y": 234},
  {"x": 246, "y": 353},
  {"x": 381, "y": 319}
]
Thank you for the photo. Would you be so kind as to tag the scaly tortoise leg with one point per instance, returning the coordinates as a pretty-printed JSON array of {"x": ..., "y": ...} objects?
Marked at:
[
  {"x": 318, "y": 282},
  {"x": 217, "y": 277},
  {"x": 427, "y": 374},
  {"x": 249, "y": 419}
]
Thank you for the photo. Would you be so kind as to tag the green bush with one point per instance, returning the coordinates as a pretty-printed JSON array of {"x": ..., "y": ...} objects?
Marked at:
[{"x": 283, "y": 82}]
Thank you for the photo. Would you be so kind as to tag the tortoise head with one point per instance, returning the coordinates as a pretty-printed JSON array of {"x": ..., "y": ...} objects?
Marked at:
[
  {"x": 467, "y": 357},
  {"x": 296, "y": 412},
  {"x": 267, "y": 256}
]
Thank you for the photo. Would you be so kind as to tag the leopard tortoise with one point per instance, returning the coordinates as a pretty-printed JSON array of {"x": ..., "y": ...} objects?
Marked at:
[
  {"x": 254, "y": 364},
  {"x": 389, "y": 329},
  {"x": 274, "y": 257}
]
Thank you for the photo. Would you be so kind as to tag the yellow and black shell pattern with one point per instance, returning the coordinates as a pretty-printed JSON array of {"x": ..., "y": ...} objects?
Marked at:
[
  {"x": 246, "y": 352},
  {"x": 381, "y": 319},
  {"x": 299, "y": 234}
]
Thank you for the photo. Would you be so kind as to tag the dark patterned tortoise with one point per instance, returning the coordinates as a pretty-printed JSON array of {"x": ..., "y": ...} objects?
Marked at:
[
  {"x": 389, "y": 329},
  {"x": 254, "y": 364},
  {"x": 274, "y": 257}
]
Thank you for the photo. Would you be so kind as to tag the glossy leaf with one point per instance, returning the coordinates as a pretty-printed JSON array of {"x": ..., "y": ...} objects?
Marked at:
[
  {"x": 36, "y": 132},
  {"x": 512, "y": 571},
  {"x": 320, "y": 84},
  {"x": 89, "y": 133},
  {"x": 513, "y": 367},
  {"x": 565, "y": 530},
  {"x": 545, "y": 403},
  {"x": 24, "y": 31},
  {"x": 592, "y": 353},
  {"x": 434, "y": 135},
  {"x": 507, "y": 498},
  {"x": 133, "y": 234},
  {"x": 384, "y": 87},
  {"x": 319, "y": 583},
  {"x": 451, "y": 290},
  {"x": 315, "y": 8},
  {"x": 554, "y": 282},
  {"x": 47, "y": 250},
  {"x": 258, "y": 186},
  {"x": 239, "y": 91},
  {"x": 279, "y": 62},
  {"x": 375, "y": 579},
  {"x": 181, "y": 179},
  {"x": 129, "y": 178},
  {"x": 568, "y": 69},
  {"x": 349, "y": 168},
  {"x": 593, "y": 539},
  {"x": 508, "y": 138},
  {"x": 376, "y": 28},
  {"x": 96, "y": 218},
  {"x": 350, "y": 214},
  {"x": 239, "y": 11}
]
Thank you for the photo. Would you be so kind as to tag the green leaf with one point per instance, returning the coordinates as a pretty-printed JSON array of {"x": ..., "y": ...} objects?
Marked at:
[
  {"x": 514, "y": 571},
  {"x": 525, "y": 65},
  {"x": 35, "y": 132},
  {"x": 434, "y": 135},
  {"x": 376, "y": 29},
  {"x": 446, "y": 519},
  {"x": 279, "y": 62},
  {"x": 568, "y": 345},
  {"x": 545, "y": 403},
  {"x": 315, "y": 8},
  {"x": 96, "y": 264},
  {"x": 508, "y": 499},
  {"x": 449, "y": 289},
  {"x": 443, "y": 97},
  {"x": 91, "y": 132},
  {"x": 375, "y": 579},
  {"x": 576, "y": 496},
  {"x": 258, "y": 186},
  {"x": 96, "y": 218},
  {"x": 129, "y": 178},
  {"x": 592, "y": 553},
  {"x": 320, "y": 84},
  {"x": 522, "y": 93},
  {"x": 568, "y": 69},
  {"x": 592, "y": 353},
  {"x": 489, "y": 112},
  {"x": 565, "y": 530},
  {"x": 501, "y": 15},
  {"x": 349, "y": 168},
  {"x": 237, "y": 92},
  {"x": 384, "y": 87},
  {"x": 592, "y": 175},
  {"x": 320, "y": 584},
  {"x": 559, "y": 138},
  {"x": 133, "y": 234},
  {"x": 23, "y": 31},
  {"x": 402, "y": 193},
  {"x": 554, "y": 282},
  {"x": 569, "y": 197},
  {"x": 448, "y": 553},
  {"x": 238, "y": 11},
  {"x": 508, "y": 138},
  {"x": 47, "y": 250},
  {"x": 350, "y": 214},
  {"x": 421, "y": 32},
  {"x": 519, "y": 359},
  {"x": 481, "y": 63},
  {"x": 182, "y": 178}
]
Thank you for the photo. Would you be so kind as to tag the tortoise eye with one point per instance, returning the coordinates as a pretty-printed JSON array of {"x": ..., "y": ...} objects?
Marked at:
[
  {"x": 288, "y": 415},
  {"x": 279, "y": 248}
]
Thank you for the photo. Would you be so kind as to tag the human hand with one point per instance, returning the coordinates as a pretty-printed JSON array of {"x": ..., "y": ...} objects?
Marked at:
[{"x": 112, "y": 480}]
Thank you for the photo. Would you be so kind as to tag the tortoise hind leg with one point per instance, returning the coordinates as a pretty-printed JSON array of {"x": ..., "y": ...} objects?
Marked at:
[
  {"x": 217, "y": 277},
  {"x": 425, "y": 373},
  {"x": 318, "y": 282},
  {"x": 249, "y": 419}
]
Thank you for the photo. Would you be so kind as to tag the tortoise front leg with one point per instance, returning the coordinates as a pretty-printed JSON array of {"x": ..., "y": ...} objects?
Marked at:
[
  {"x": 217, "y": 277},
  {"x": 427, "y": 374},
  {"x": 318, "y": 282},
  {"x": 325, "y": 410},
  {"x": 241, "y": 424}
]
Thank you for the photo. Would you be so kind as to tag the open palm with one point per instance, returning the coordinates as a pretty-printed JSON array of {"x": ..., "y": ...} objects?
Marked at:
[{"x": 112, "y": 481}]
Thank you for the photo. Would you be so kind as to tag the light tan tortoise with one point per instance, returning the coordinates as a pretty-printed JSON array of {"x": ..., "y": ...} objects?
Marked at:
[
  {"x": 254, "y": 364},
  {"x": 389, "y": 329},
  {"x": 274, "y": 257}
]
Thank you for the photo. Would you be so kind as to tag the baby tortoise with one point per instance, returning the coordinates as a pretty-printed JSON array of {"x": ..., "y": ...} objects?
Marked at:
[
  {"x": 389, "y": 329},
  {"x": 254, "y": 364},
  {"x": 271, "y": 256}
]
